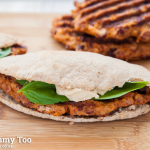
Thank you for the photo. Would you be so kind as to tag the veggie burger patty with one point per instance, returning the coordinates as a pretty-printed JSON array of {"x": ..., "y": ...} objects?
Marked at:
[
  {"x": 18, "y": 49},
  {"x": 83, "y": 108}
]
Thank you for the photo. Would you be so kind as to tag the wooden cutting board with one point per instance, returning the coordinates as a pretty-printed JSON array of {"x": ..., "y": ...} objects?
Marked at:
[{"x": 134, "y": 134}]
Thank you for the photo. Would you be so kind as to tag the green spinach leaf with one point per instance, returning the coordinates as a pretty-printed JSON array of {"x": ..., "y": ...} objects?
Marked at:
[
  {"x": 42, "y": 93},
  {"x": 127, "y": 87},
  {"x": 22, "y": 82},
  {"x": 5, "y": 52}
]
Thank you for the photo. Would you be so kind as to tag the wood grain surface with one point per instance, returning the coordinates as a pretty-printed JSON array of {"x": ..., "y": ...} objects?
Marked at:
[{"x": 134, "y": 134}]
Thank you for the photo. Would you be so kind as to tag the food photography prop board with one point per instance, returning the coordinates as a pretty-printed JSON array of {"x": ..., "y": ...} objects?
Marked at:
[{"x": 33, "y": 30}]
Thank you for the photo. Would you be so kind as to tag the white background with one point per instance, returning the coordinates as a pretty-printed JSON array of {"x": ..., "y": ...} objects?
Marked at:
[{"x": 36, "y": 6}]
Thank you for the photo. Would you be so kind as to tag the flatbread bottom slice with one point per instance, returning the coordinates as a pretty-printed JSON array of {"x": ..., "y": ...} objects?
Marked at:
[{"x": 123, "y": 113}]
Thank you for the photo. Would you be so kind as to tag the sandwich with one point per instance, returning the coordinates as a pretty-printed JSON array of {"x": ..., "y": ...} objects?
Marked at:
[
  {"x": 63, "y": 31},
  {"x": 74, "y": 86},
  {"x": 9, "y": 46}
]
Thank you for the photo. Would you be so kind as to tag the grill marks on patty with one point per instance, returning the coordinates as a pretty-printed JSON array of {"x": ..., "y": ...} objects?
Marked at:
[
  {"x": 116, "y": 28},
  {"x": 107, "y": 19},
  {"x": 85, "y": 108},
  {"x": 64, "y": 32}
]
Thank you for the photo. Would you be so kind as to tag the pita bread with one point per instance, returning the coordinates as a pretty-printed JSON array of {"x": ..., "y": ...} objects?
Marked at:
[
  {"x": 84, "y": 70},
  {"x": 7, "y": 40},
  {"x": 124, "y": 113}
]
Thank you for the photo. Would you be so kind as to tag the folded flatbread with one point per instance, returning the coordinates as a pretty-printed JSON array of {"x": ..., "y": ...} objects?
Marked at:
[
  {"x": 83, "y": 80},
  {"x": 9, "y": 46}
]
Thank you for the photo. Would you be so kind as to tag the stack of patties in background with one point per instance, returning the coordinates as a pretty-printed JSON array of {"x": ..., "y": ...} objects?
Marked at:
[
  {"x": 115, "y": 28},
  {"x": 9, "y": 46}
]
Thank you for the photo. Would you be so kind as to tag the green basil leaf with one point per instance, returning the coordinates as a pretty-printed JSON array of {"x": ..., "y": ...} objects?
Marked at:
[
  {"x": 127, "y": 87},
  {"x": 22, "y": 82},
  {"x": 42, "y": 93},
  {"x": 5, "y": 52}
]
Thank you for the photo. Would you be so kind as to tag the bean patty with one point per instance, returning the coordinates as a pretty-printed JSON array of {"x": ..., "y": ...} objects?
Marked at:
[{"x": 84, "y": 108}]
